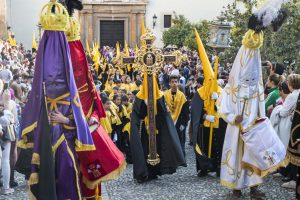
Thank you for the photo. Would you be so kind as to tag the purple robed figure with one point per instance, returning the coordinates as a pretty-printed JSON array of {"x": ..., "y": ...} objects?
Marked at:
[{"x": 53, "y": 68}]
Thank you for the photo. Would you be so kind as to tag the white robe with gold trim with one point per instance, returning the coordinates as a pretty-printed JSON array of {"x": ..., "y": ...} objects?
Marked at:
[{"x": 245, "y": 82}]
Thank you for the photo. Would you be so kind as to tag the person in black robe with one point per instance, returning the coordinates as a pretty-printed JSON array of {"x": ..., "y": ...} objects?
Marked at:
[
  {"x": 200, "y": 139},
  {"x": 168, "y": 144},
  {"x": 179, "y": 108},
  {"x": 293, "y": 152}
]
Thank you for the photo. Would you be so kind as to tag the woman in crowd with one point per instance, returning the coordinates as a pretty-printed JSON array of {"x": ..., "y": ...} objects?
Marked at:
[
  {"x": 281, "y": 119},
  {"x": 273, "y": 97},
  {"x": 7, "y": 133},
  {"x": 17, "y": 98},
  {"x": 280, "y": 128}
]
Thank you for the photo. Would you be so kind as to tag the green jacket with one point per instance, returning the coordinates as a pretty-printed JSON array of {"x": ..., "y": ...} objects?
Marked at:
[{"x": 272, "y": 99}]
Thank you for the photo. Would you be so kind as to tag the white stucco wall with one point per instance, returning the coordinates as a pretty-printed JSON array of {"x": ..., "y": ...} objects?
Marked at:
[
  {"x": 23, "y": 17},
  {"x": 193, "y": 10}
]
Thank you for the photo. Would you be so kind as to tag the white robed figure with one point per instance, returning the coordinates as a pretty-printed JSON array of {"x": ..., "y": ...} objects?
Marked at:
[
  {"x": 251, "y": 148},
  {"x": 243, "y": 93}
]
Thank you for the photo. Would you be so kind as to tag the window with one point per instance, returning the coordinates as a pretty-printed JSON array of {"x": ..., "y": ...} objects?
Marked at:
[{"x": 167, "y": 21}]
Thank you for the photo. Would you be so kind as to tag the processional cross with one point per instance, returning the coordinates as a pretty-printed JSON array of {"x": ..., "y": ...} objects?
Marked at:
[{"x": 150, "y": 60}]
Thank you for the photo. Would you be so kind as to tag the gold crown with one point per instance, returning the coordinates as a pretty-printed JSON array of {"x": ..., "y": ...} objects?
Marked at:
[
  {"x": 73, "y": 32},
  {"x": 54, "y": 21}
]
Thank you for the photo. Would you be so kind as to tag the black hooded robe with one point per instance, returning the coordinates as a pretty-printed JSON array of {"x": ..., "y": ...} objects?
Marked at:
[
  {"x": 168, "y": 144},
  {"x": 200, "y": 136},
  {"x": 183, "y": 120}
]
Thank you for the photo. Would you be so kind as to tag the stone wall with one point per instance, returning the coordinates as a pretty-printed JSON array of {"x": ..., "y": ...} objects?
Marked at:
[
  {"x": 3, "y": 18},
  {"x": 131, "y": 11}
]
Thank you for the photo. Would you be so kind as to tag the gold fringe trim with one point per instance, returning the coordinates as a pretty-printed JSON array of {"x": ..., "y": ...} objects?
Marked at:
[
  {"x": 228, "y": 184},
  {"x": 90, "y": 111},
  {"x": 198, "y": 150},
  {"x": 96, "y": 198},
  {"x": 24, "y": 145},
  {"x": 69, "y": 127},
  {"x": 111, "y": 176},
  {"x": 232, "y": 186},
  {"x": 295, "y": 160},
  {"x": 263, "y": 173},
  {"x": 30, "y": 128},
  {"x": 75, "y": 168},
  {"x": 84, "y": 147},
  {"x": 83, "y": 88},
  {"x": 76, "y": 101},
  {"x": 224, "y": 116},
  {"x": 58, "y": 143},
  {"x": 115, "y": 174},
  {"x": 33, "y": 179},
  {"x": 35, "y": 159}
]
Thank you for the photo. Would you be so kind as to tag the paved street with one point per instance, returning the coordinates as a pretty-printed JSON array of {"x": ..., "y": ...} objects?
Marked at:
[{"x": 182, "y": 185}]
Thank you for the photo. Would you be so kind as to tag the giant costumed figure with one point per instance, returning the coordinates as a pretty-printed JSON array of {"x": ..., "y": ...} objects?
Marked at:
[
  {"x": 107, "y": 162},
  {"x": 54, "y": 92},
  {"x": 251, "y": 148}
]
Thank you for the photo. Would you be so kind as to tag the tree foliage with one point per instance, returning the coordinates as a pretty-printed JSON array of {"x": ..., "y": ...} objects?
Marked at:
[
  {"x": 176, "y": 34},
  {"x": 203, "y": 30},
  {"x": 280, "y": 46},
  {"x": 182, "y": 33}
]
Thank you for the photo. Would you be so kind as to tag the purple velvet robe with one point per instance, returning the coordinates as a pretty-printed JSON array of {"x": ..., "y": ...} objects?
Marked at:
[{"x": 53, "y": 67}]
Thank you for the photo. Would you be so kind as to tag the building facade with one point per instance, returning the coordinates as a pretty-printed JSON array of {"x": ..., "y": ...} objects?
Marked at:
[
  {"x": 3, "y": 19},
  {"x": 112, "y": 21},
  {"x": 108, "y": 21}
]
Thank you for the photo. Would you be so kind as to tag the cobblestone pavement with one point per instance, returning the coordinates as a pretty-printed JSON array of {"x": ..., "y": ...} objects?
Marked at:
[{"x": 183, "y": 185}]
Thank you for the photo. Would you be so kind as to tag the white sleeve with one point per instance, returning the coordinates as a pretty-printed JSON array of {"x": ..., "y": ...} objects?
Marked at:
[
  {"x": 14, "y": 110},
  {"x": 226, "y": 107},
  {"x": 287, "y": 106},
  {"x": 6, "y": 118}
]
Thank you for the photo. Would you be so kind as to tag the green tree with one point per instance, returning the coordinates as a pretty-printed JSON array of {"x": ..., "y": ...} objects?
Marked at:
[
  {"x": 176, "y": 34},
  {"x": 182, "y": 33},
  {"x": 239, "y": 27},
  {"x": 284, "y": 45},
  {"x": 203, "y": 30},
  {"x": 280, "y": 46}
]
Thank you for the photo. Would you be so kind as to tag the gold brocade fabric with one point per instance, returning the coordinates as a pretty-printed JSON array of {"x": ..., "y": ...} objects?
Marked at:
[
  {"x": 57, "y": 21},
  {"x": 34, "y": 45},
  {"x": 113, "y": 115},
  {"x": 108, "y": 88},
  {"x": 143, "y": 93},
  {"x": 205, "y": 95},
  {"x": 133, "y": 87},
  {"x": 129, "y": 109},
  {"x": 59, "y": 100},
  {"x": 123, "y": 112},
  {"x": 253, "y": 40},
  {"x": 11, "y": 41},
  {"x": 106, "y": 124},
  {"x": 73, "y": 31},
  {"x": 126, "y": 128},
  {"x": 210, "y": 84},
  {"x": 125, "y": 86},
  {"x": 175, "y": 103}
]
